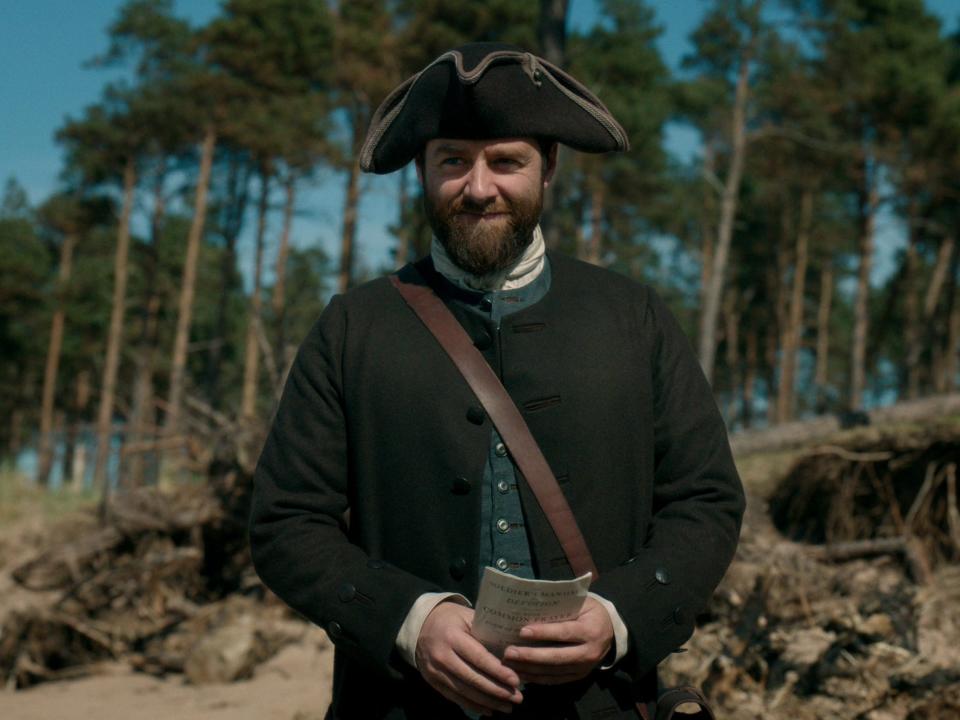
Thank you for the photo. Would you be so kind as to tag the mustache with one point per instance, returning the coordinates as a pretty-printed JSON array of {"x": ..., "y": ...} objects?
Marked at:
[{"x": 465, "y": 205}]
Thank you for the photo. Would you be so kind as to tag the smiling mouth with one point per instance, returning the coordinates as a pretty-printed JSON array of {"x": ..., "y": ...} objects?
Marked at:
[{"x": 482, "y": 215}]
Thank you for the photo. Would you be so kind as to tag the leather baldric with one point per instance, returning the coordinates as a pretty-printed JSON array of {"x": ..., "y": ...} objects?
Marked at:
[{"x": 505, "y": 416}]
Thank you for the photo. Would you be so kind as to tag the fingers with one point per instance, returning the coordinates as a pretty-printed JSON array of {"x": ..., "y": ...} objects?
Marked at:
[
  {"x": 463, "y": 684},
  {"x": 460, "y": 668},
  {"x": 551, "y": 665},
  {"x": 473, "y": 653},
  {"x": 466, "y": 681},
  {"x": 564, "y": 651}
]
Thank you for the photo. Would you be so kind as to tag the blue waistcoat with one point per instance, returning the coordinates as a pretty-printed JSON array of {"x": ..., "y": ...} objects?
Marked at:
[{"x": 504, "y": 543}]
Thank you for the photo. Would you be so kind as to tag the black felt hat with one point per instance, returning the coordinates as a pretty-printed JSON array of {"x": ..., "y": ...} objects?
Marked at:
[{"x": 483, "y": 91}]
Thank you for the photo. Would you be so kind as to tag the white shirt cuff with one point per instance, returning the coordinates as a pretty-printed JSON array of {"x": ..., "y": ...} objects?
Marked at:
[
  {"x": 413, "y": 623},
  {"x": 620, "y": 636}
]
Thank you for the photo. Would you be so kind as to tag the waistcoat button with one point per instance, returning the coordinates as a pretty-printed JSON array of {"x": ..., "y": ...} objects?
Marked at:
[
  {"x": 502, "y": 564},
  {"x": 500, "y": 449}
]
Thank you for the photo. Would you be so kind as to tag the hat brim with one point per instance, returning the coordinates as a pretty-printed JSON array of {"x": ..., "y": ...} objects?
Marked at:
[{"x": 501, "y": 93}]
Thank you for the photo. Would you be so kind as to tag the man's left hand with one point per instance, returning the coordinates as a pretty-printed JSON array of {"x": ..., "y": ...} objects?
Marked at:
[{"x": 581, "y": 645}]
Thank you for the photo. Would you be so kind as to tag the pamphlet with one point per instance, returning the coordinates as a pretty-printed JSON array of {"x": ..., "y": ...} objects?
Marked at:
[{"x": 506, "y": 603}]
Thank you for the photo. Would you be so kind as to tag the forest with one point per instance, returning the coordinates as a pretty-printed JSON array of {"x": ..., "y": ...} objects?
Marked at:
[
  {"x": 151, "y": 307},
  {"x": 129, "y": 329}
]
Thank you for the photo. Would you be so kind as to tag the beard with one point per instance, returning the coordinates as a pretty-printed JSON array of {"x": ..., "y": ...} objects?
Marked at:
[{"x": 484, "y": 247}]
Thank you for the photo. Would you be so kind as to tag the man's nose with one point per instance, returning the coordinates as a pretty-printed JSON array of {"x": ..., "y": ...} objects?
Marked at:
[{"x": 481, "y": 185}]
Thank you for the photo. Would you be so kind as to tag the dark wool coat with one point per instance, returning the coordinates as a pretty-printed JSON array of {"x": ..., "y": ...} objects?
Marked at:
[{"x": 376, "y": 419}]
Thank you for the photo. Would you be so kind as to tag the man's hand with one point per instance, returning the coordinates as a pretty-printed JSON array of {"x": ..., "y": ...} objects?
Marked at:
[
  {"x": 581, "y": 646},
  {"x": 459, "y": 667}
]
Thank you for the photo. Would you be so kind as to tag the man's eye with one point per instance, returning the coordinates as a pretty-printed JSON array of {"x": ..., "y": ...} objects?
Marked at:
[
  {"x": 507, "y": 162},
  {"x": 452, "y": 161}
]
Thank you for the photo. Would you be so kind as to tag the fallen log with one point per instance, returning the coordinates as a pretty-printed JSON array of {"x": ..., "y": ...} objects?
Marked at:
[{"x": 817, "y": 429}]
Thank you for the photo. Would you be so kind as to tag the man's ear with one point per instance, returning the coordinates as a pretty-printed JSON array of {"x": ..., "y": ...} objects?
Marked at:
[{"x": 551, "y": 160}]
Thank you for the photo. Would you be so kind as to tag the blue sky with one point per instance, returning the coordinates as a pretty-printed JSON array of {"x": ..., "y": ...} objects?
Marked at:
[{"x": 45, "y": 43}]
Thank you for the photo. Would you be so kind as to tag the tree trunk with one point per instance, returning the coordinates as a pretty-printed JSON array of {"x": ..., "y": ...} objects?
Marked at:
[
  {"x": 251, "y": 357},
  {"x": 16, "y": 434},
  {"x": 351, "y": 201},
  {"x": 771, "y": 346},
  {"x": 728, "y": 212},
  {"x": 552, "y": 31},
  {"x": 279, "y": 299},
  {"x": 778, "y": 282},
  {"x": 78, "y": 467},
  {"x": 732, "y": 341},
  {"x": 552, "y": 36},
  {"x": 143, "y": 415},
  {"x": 911, "y": 306},
  {"x": 861, "y": 317},
  {"x": 706, "y": 222},
  {"x": 786, "y": 398},
  {"x": 939, "y": 277},
  {"x": 238, "y": 192},
  {"x": 595, "y": 246},
  {"x": 823, "y": 335},
  {"x": 70, "y": 432},
  {"x": 178, "y": 363},
  {"x": 749, "y": 377},
  {"x": 938, "y": 329},
  {"x": 108, "y": 384},
  {"x": 46, "y": 449},
  {"x": 952, "y": 351},
  {"x": 945, "y": 367},
  {"x": 402, "y": 255}
]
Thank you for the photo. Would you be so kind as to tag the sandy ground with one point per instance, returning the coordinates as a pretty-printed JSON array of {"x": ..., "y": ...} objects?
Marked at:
[{"x": 293, "y": 685}]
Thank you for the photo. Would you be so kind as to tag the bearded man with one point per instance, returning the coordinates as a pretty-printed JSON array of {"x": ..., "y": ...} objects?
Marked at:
[{"x": 377, "y": 421}]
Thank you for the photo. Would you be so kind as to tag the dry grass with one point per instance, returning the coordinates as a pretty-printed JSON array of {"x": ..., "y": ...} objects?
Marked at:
[{"x": 21, "y": 498}]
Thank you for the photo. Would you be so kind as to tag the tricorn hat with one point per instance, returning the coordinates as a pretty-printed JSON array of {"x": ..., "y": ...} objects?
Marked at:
[{"x": 483, "y": 91}]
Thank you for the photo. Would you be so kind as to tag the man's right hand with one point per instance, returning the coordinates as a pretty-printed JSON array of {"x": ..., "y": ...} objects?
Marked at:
[{"x": 459, "y": 667}]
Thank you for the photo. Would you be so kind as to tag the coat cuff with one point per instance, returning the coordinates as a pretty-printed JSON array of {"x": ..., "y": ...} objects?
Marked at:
[
  {"x": 413, "y": 623},
  {"x": 621, "y": 638}
]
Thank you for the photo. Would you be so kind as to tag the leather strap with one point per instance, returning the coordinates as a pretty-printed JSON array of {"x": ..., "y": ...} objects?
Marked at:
[
  {"x": 670, "y": 700},
  {"x": 505, "y": 416}
]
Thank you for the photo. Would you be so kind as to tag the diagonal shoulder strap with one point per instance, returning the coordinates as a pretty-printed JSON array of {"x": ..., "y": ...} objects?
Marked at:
[{"x": 505, "y": 416}]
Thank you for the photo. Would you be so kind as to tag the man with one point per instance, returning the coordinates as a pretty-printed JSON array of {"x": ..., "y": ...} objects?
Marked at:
[{"x": 375, "y": 419}]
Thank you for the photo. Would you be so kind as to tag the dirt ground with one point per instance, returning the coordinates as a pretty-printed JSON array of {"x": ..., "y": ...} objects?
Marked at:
[
  {"x": 790, "y": 636},
  {"x": 293, "y": 685}
]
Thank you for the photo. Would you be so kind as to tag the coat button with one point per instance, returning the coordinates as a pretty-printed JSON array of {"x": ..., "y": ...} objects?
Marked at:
[
  {"x": 374, "y": 564},
  {"x": 476, "y": 415},
  {"x": 458, "y": 568},
  {"x": 346, "y": 592},
  {"x": 662, "y": 576},
  {"x": 679, "y": 616},
  {"x": 460, "y": 486},
  {"x": 483, "y": 341},
  {"x": 334, "y": 630}
]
